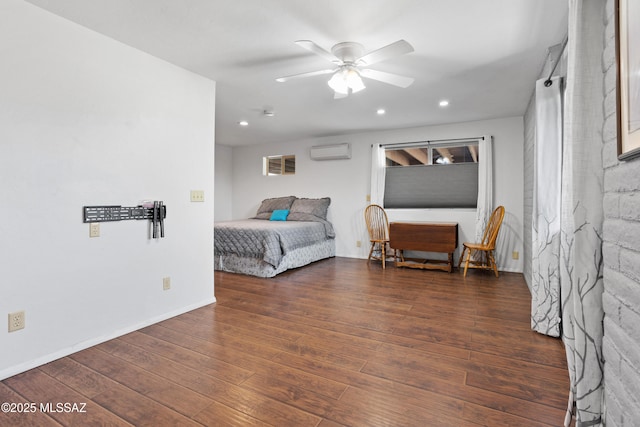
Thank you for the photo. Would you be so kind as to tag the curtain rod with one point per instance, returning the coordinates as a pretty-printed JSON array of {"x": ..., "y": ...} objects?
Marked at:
[
  {"x": 433, "y": 141},
  {"x": 548, "y": 82}
]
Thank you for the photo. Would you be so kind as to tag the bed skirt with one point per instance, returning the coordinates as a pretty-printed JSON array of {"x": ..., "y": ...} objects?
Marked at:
[{"x": 294, "y": 259}]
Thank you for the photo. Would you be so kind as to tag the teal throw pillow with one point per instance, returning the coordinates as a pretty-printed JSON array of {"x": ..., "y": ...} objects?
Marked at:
[{"x": 279, "y": 215}]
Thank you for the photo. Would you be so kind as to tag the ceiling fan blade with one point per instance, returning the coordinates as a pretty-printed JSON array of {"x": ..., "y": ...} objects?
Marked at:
[
  {"x": 387, "y": 52},
  {"x": 312, "y": 47},
  {"x": 302, "y": 75},
  {"x": 392, "y": 79}
]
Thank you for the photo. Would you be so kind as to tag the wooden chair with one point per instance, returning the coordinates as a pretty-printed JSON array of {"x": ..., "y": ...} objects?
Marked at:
[
  {"x": 378, "y": 228},
  {"x": 486, "y": 247}
]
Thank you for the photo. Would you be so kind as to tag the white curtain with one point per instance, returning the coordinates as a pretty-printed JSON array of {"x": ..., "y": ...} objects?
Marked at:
[
  {"x": 581, "y": 284},
  {"x": 547, "y": 200},
  {"x": 378, "y": 168},
  {"x": 485, "y": 185},
  {"x": 567, "y": 218}
]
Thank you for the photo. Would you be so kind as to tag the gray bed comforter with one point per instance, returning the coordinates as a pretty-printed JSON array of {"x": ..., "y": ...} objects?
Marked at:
[{"x": 268, "y": 240}]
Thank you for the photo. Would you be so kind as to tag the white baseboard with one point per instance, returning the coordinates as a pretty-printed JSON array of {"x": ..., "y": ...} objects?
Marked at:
[{"x": 25, "y": 366}]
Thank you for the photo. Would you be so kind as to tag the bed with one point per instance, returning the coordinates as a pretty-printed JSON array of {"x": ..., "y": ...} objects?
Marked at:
[{"x": 287, "y": 232}]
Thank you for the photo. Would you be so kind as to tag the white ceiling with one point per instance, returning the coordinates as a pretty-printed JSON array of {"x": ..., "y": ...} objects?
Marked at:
[{"x": 481, "y": 55}]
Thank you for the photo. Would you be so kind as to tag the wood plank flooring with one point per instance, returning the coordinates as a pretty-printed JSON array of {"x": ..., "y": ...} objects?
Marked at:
[{"x": 337, "y": 343}]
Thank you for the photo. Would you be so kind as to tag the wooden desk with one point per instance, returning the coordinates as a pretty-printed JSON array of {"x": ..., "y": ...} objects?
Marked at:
[{"x": 426, "y": 237}]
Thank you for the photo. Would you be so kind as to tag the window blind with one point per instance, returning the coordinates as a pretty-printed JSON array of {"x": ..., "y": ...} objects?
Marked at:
[{"x": 431, "y": 186}]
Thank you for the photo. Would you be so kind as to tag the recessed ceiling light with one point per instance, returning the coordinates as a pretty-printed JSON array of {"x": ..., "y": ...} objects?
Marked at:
[
  {"x": 243, "y": 123},
  {"x": 381, "y": 111},
  {"x": 444, "y": 103}
]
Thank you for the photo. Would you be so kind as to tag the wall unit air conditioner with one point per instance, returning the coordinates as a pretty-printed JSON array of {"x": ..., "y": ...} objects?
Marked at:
[{"x": 330, "y": 152}]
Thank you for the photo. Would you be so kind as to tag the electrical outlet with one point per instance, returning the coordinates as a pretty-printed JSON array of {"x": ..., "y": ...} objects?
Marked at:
[
  {"x": 368, "y": 197},
  {"x": 166, "y": 283},
  {"x": 515, "y": 255},
  {"x": 94, "y": 229},
  {"x": 358, "y": 243},
  {"x": 16, "y": 321},
  {"x": 197, "y": 195}
]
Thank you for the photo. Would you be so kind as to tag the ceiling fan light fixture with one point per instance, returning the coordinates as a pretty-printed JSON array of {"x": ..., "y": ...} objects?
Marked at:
[
  {"x": 346, "y": 80},
  {"x": 354, "y": 81},
  {"x": 338, "y": 83}
]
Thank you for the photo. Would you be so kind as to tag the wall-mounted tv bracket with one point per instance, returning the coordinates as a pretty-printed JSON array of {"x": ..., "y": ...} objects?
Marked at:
[{"x": 156, "y": 213}]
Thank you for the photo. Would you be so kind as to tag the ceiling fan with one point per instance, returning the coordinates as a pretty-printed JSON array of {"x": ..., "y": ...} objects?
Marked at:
[{"x": 351, "y": 64}]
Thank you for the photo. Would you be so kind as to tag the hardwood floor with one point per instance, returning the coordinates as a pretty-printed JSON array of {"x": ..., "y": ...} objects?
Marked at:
[{"x": 339, "y": 342}]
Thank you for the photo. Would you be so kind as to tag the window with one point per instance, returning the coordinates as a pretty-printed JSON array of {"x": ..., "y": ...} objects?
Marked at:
[
  {"x": 279, "y": 165},
  {"x": 432, "y": 175}
]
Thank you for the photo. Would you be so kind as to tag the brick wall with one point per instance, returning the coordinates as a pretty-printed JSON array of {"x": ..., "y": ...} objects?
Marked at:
[{"x": 621, "y": 234}]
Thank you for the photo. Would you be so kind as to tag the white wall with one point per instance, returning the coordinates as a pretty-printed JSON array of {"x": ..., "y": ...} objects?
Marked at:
[
  {"x": 223, "y": 185},
  {"x": 347, "y": 182},
  {"x": 86, "y": 120}
]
